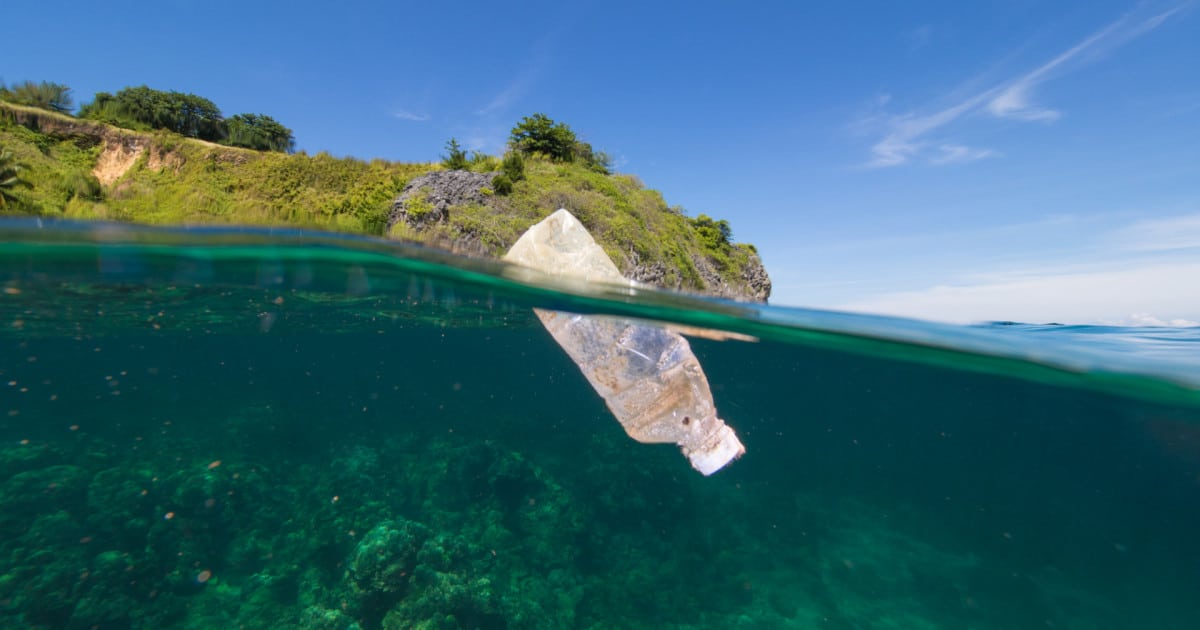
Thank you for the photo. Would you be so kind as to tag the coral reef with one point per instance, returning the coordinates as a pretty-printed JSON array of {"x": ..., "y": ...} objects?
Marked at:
[{"x": 333, "y": 482}]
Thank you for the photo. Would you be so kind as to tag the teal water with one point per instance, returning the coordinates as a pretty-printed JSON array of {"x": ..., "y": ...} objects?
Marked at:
[{"x": 224, "y": 429}]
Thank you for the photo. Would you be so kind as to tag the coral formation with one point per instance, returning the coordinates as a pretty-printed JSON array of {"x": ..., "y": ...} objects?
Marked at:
[{"x": 402, "y": 462}]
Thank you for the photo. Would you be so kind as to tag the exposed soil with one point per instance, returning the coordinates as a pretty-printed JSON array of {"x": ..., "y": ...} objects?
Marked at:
[{"x": 119, "y": 154}]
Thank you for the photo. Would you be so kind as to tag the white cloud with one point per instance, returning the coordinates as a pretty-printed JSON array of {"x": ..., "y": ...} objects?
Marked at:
[
  {"x": 1073, "y": 297},
  {"x": 1095, "y": 269},
  {"x": 1013, "y": 102},
  {"x": 1146, "y": 319},
  {"x": 906, "y": 137},
  {"x": 510, "y": 94},
  {"x": 1160, "y": 235},
  {"x": 520, "y": 84},
  {"x": 959, "y": 154},
  {"x": 406, "y": 115}
]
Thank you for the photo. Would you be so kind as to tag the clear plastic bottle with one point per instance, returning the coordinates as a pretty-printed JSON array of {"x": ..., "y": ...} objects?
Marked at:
[{"x": 647, "y": 375}]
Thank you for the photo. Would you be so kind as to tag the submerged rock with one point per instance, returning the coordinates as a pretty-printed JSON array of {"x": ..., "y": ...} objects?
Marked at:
[
  {"x": 385, "y": 559},
  {"x": 317, "y": 618}
]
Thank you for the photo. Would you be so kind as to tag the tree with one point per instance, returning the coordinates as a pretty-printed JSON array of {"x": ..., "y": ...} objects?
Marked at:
[
  {"x": 45, "y": 95},
  {"x": 457, "y": 158},
  {"x": 196, "y": 116},
  {"x": 601, "y": 162},
  {"x": 10, "y": 179},
  {"x": 715, "y": 234},
  {"x": 185, "y": 114},
  {"x": 539, "y": 134},
  {"x": 259, "y": 132},
  {"x": 140, "y": 105},
  {"x": 105, "y": 108}
]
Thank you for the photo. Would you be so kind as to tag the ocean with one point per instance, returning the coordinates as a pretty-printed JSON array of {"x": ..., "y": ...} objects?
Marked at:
[{"x": 232, "y": 428}]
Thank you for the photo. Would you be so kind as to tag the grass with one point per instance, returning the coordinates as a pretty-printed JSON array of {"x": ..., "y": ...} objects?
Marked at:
[
  {"x": 176, "y": 180},
  {"x": 179, "y": 181}
]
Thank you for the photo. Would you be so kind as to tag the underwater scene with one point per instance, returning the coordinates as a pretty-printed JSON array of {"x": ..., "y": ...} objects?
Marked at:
[{"x": 227, "y": 428}]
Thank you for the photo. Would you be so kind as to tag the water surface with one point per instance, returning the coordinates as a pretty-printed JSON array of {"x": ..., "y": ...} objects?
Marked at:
[{"x": 264, "y": 429}]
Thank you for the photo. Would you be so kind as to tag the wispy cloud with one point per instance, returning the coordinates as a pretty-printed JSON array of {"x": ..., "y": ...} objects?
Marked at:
[
  {"x": 1013, "y": 102},
  {"x": 1075, "y": 297},
  {"x": 959, "y": 154},
  {"x": 509, "y": 95},
  {"x": 909, "y": 136},
  {"x": 406, "y": 115},
  {"x": 906, "y": 136},
  {"x": 1110, "y": 275},
  {"x": 1160, "y": 235},
  {"x": 524, "y": 80},
  {"x": 542, "y": 55}
]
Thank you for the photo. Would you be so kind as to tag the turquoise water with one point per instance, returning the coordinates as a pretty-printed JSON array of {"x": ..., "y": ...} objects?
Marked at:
[{"x": 224, "y": 428}]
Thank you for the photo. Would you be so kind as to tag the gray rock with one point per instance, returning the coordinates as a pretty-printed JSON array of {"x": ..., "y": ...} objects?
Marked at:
[
  {"x": 427, "y": 199},
  {"x": 758, "y": 283}
]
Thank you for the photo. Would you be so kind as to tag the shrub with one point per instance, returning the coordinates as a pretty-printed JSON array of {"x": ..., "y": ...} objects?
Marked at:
[
  {"x": 457, "y": 158},
  {"x": 10, "y": 179},
  {"x": 600, "y": 162},
  {"x": 482, "y": 162},
  {"x": 502, "y": 185},
  {"x": 714, "y": 234},
  {"x": 45, "y": 95},
  {"x": 513, "y": 167},
  {"x": 81, "y": 185},
  {"x": 418, "y": 208}
]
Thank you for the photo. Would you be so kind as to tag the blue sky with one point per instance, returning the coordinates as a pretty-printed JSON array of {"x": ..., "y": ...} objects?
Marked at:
[{"x": 959, "y": 161}]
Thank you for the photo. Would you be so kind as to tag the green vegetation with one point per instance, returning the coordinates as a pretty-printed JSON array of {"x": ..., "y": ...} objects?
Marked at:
[
  {"x": 713, "y": 233},
  {"x": 10, "y": 180},
  {"x": 169, "y": 179},
  {"x": 44, "y": 95},
  {"x": 259, "y": 132},
  {"x": 513, "y": 167},
  {"x": 455, "y": 158},
  {"x": 502, "y": 184},
  {"x": 539, "y": 135},
  {"x": 143, "y": 108},
  {"x": 482, "y": 163},
  {"x": 635, "y": 226},
  {"x": 83, "y": 169},
  {"x": 419, "y": 208}
]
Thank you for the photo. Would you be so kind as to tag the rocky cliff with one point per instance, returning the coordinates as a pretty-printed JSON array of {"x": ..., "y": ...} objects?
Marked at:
[
  {"x": 427, "y": 207},
  {"x": 83, "y": 169}
]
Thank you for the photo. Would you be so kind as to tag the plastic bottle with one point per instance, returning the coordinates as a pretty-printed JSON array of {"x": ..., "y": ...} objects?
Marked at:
[{"x": 646, "y": 374}]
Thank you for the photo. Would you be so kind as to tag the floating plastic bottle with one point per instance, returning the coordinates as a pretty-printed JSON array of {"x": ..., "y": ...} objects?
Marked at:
[{"x": 647, "y": 375}]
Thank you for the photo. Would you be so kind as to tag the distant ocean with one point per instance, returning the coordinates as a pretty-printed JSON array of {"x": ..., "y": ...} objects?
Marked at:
[{"x": 229, "y": 428}]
